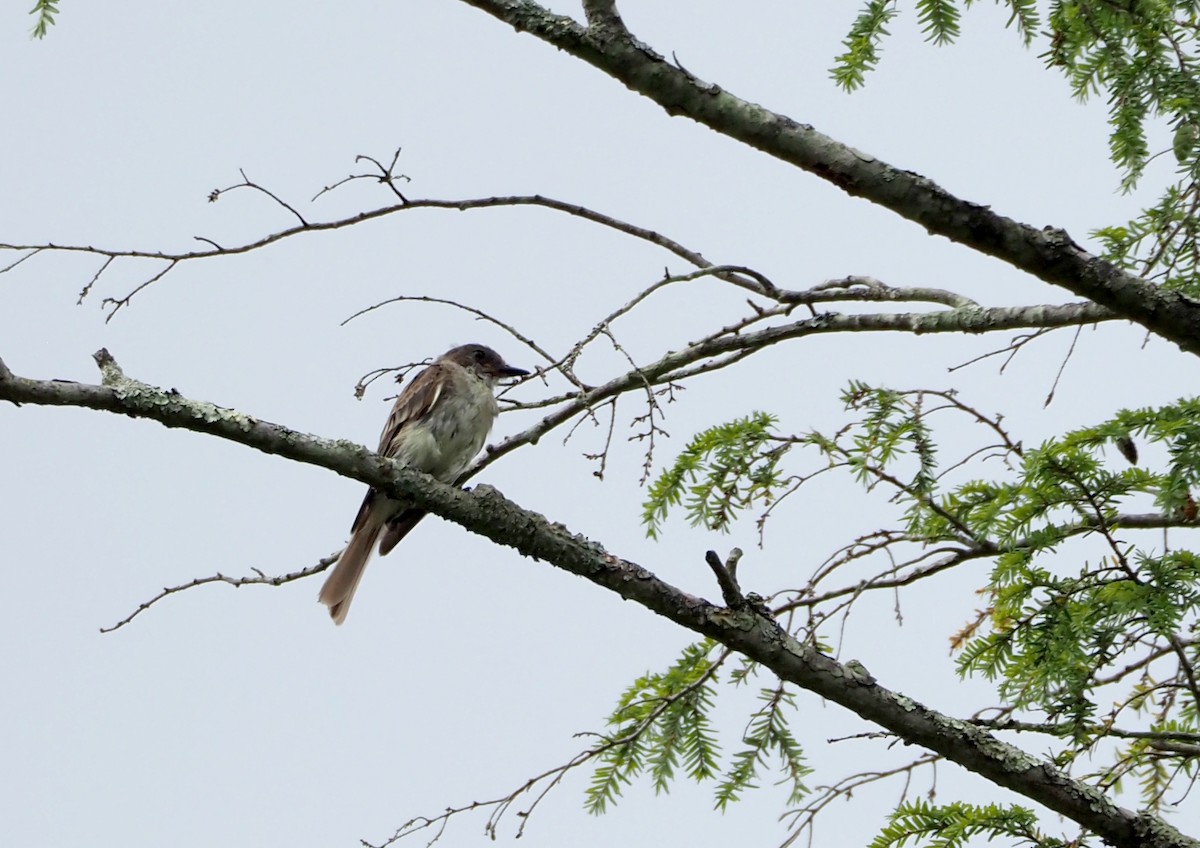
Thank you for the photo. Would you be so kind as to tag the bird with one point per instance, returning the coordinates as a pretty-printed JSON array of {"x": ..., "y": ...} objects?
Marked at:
[{"x": 437, "y": 425}]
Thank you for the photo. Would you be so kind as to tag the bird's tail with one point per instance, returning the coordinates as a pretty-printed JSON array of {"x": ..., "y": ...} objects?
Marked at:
[{"x": 338, "y": 591}]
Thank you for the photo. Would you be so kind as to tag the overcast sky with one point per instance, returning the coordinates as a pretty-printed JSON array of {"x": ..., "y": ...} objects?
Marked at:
[{"x": 244, "y": 718}]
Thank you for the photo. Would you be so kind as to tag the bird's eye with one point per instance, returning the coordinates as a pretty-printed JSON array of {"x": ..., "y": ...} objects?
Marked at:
[{"x": 480, "y": 356}]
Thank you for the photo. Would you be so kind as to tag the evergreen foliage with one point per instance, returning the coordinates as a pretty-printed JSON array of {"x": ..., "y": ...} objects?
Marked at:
[
  {"x": 45, "y": 11},
  {"x": 722, "y": 472},
  {"x": 662, "y": 723},
  {"x": 952, "y": 825},
  {"x": 1142, "y": 57},
  {"x": 1067, "y": 633}
]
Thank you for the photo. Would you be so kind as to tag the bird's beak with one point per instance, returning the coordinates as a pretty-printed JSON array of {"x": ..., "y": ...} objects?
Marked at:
[{"x": 509, "y": 371}]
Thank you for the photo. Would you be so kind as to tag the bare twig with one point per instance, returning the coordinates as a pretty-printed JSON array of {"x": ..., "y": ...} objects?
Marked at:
[
  {"x": 675, "y": 364},
  {"x": 1013, "y": 347},
  {"x": 1062, "y": 366},
  {"x": 120, "y": 303},
  {"x": 32, "y": 252},
  {"x": 478, "y": 313},
  {"x": 86, "y": 290},
  {"x": 259, "y": 579},
  {"x": 803, "y": 818},
  {"x": 246, "y": 182},
  {"x": 852, "y": 288},
  {"x": 386, "y": 175}
]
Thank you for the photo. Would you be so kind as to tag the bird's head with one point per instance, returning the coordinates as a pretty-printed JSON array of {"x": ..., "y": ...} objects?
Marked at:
[{"x": 483, "y": 361}]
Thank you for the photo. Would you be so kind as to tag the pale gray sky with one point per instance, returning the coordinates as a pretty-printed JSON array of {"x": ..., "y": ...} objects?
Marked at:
[{"x": 244, "y": 718}]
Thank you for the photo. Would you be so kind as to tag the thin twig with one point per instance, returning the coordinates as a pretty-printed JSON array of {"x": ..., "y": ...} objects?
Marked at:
[{"x": 259, "y": 579}]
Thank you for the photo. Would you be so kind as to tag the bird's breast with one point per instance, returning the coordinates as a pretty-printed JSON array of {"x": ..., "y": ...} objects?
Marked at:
[{"x": 445, "y": 440}]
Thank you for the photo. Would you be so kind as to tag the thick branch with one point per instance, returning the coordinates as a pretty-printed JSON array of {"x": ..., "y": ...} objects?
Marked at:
[
  {"x": 1047, "y": 254},
  {"x": 486, "y": 512}
]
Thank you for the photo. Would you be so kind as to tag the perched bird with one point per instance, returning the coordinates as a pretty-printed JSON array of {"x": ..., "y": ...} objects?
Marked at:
[{"x": 438, "y": 425}]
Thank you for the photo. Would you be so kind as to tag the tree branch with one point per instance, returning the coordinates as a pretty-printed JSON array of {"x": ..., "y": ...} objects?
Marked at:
[
  {"x": 173, "y": 259},
  {"x": 1048, "y": 254},
  {"x": 488, "y": 513},
  {"x": 259, "y": 579},
  {"x": 730, "y": 342},
  {"x": 602, "y": 13}
]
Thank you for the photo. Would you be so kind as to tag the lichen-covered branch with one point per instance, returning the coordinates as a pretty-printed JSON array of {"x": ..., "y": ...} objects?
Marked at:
[
  {"x": 1048, "y": 254},
  {"x": 487, "y": 512}
]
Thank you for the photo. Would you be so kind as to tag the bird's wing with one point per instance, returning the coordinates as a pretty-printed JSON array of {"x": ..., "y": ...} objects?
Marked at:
[
  {"x": 414, "y": 402},
  {"x": 417, "y": 399},
  {"x": 397, "y": 528}
]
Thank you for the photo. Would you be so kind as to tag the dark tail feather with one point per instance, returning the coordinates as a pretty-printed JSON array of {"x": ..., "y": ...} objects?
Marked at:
[{"x": 397, "y": 528}]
